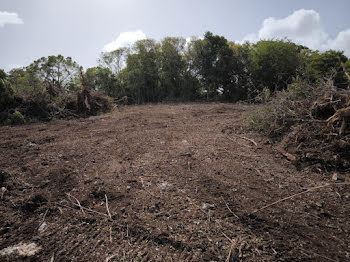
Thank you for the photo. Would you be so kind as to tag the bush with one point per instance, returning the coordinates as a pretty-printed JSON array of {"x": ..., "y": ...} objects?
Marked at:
[{"x": 16, "y": 118}]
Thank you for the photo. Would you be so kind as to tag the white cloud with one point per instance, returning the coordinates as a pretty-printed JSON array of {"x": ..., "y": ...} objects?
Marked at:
[
  {"x": 302, "y": 27},
  {"x": 9, "y": 18},
  {"x": 125, "y": 39},
  {"x": 191, "y": 39},
  {"x": 341, "y": 42},
  {"x": 252, "y": 37}
]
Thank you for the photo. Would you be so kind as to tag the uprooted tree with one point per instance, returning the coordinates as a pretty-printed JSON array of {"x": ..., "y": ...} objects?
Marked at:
[{"x": 91, "y": 104}]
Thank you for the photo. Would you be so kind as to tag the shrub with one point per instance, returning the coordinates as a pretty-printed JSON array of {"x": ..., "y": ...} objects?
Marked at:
[{"x": 16, "y": 118}]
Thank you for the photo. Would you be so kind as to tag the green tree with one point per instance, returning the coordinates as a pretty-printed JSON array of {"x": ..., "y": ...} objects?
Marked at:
[
  {"x": 347, "y": 66},
  {"x": 55, "y": 70},
  {"x": 241, "y": 86},
  {"x": 6, "y": 92},
  {"x": 114, "y": 61},
  {"x": 172, "y": 68},
  {"x": 274, "y": 64},
  {"x": 25, "y": 83},
  {"x": 102, "y": 79},
  {"x": 142, "y": 72},
  {"x": 329, "y": 64},
  {"x": 218, "y": 67},
  {"x": 192, "y": 49}
]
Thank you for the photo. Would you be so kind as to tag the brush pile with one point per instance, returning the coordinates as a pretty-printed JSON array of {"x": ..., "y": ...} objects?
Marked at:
[
  {"x": 311, "y": 123},
  {"x": 49, "y": 103}
]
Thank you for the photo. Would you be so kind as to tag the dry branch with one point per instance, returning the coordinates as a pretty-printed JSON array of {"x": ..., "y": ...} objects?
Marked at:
[
  {"x": 110, "y": 257},
  {"x": 245, "y": 138},
  {"x": 230, "y": 252},
  {"x": 85, "y": 208},
  {"x": 339, "y": 115},
  {"x": 109, "y": 213},
  {"x": 298, "y": 194},
  {"x": 79, "y": 205},
  {"x": 229, "y": 209},
  {"x": 82, "y": 207}
]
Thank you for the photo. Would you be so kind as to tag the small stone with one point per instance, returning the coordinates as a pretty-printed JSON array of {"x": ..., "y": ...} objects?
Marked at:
[
  {"x": 335, "y": 177},
  {"x": 42, "y": 227},
  {"x": 206, "y": 206},
  {"x": 164, "y": 185},
  {"x": 319, "y": 204},
  {"x": 3, "y": 190}
]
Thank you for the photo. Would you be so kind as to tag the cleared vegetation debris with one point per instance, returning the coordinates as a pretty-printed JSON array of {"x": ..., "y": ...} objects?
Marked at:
[
  {"x": 52, "y": 102},
  {"x": 311, "y": 124}
]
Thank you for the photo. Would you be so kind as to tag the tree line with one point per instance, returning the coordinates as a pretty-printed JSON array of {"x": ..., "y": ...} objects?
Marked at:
[{"x": 208, "y": 69}]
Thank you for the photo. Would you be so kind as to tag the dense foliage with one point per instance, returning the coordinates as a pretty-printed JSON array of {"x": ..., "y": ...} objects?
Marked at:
[
  {"x": 175, "y": 69},
  {"x": 6, "y": 92},
  {"x": 274, "y": 64}
]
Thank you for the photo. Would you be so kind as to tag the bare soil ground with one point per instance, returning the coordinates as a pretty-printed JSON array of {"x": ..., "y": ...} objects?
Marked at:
[{"x": 181, "y": 182}]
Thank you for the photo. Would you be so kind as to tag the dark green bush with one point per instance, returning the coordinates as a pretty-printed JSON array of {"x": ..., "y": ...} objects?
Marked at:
[{"x": 16, "y": 118}]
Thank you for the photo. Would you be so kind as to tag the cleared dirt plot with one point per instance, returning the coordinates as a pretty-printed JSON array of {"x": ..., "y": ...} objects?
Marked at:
[{"x": 187, "y": 182}]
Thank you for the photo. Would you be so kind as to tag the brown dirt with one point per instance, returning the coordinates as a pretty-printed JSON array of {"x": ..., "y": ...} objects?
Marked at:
[{"x": 182, "y": 182}]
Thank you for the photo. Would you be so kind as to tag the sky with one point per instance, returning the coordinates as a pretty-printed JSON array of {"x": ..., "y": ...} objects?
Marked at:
[{"x": 82, "y": 29}]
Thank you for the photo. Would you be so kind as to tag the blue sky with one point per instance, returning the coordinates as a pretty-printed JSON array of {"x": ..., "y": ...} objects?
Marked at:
[{"x": 82, "y": 29}]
